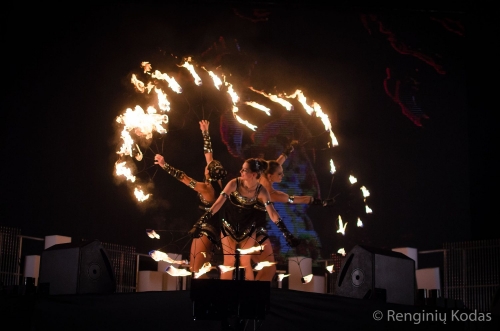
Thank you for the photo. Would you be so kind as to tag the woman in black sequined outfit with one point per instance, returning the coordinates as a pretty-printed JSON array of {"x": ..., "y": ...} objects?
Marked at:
[
  {"x": 243, "y": 217},
  {"x": 207, "y": 236}
]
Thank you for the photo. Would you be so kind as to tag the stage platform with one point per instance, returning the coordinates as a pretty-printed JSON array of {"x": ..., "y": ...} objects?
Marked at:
[{"x": 173, "y": 310}]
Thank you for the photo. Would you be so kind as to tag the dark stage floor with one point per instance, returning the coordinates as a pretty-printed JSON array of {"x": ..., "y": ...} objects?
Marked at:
[{"x": 173, "y": 310}]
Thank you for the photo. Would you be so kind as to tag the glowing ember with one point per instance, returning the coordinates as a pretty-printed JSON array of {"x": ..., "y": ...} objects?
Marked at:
[
  {"x": 281, "y": 276},
  {"x": 352, "y": 179},
  {"x": 263, "y": 264},
  {"x": 366, "y": 193},
  {"x": 341, "y": 251},
  {"x": 368, "y": 210},
  {"x": 307, "y": 279},
  {"x": 224, "y": 268},
  {"x": 146, "y": 66},
  {"x": 139, "y": 194},
  {"x": 173, "y": 271},
  {"x": 163, "y": 102},
  {"x": 161, "y": 256},
  {"x": 360, "y": 223},
  {"x": 341, "y": 226},
  {"x": 251, "y": 249},
  {"x": 139, "y": 85},
  {"x": 152, "y": 234},
  {"x": 203, "y": 270},
  {"x": 332, "y": 167},
  {"x": 122, "y": 170},
  {"x": 330, "y": 268}
]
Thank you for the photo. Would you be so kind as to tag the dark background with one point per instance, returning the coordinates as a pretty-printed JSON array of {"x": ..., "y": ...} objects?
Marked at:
[{"x": 67, "y": 79}]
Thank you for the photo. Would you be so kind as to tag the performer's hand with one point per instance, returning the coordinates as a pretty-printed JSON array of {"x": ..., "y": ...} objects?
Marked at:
[
  {"x": 159, "y": 160},
  {"x": 204, "y": 124}
]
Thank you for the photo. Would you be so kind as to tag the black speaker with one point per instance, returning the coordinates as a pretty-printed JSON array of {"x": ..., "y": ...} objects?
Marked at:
[
  {"x": 76, "y": 269},
  {"x": 373, "y": 273}
]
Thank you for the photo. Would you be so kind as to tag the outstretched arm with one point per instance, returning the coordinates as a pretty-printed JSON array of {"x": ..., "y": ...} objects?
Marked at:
[
  {"x": 207, "y": 143},
  {"x": 199, "y": 187},
  {"x": 275, "y": 217},
  {"x": 279, "y": 196}
]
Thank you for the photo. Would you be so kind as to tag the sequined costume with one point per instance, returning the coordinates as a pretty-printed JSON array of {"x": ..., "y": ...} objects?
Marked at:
[{"x": 244, "y": 217}]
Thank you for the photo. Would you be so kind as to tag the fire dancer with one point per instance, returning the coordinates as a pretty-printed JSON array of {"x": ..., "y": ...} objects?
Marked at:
[
  {"x": 274, "y": 174},
  {"x": 202, "y": 246},
  {"x": 245, "y": 203}
]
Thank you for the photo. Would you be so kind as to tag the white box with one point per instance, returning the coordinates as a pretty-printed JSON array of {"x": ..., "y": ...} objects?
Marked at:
[
  {"x": 171, "y": 283},
  {"x": 150, "y": 281},
  {"x": 428, "y": 279},
  {"x": 411, "y": 252},
  {"x": 298, "y": 266},
  {"x": 32, "y": 267},
  {"x": 54, "y": 240}
]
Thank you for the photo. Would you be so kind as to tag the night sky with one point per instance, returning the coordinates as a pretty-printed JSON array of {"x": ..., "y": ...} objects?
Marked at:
[{"x": 68, "y": 78}]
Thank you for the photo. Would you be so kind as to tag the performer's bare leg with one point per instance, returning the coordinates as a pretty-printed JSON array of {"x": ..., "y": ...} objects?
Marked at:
[
  {"x": 266, "y": 273},
  {"x": 201, "y": 252},
  {"x": 228, "y": 249},
  {"x": 246, "y": 259}
]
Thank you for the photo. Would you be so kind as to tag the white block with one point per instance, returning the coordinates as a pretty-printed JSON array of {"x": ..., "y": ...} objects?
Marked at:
[
  {"x": 428, "y": 279},
  {"x": 317, "y": 285},
  {"x": 298, "y": 266},
  {"x": 32, "y": 267},
  {"x": 412, "y": 253},
  {"x": 150, "y": 281},
  {"x": 54, "y": 240},
  {"x": 171, "y": 283}
]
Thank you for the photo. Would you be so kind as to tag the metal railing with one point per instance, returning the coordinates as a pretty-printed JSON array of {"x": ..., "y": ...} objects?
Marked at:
[{"x": 472, "y": 272}]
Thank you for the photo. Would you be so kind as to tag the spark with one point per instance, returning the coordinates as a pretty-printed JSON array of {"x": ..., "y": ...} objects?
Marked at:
[
  {"x": 152, "y": 234},
  {"x": 341, "y": 226},
  {"x": 332, "y": 167}
]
